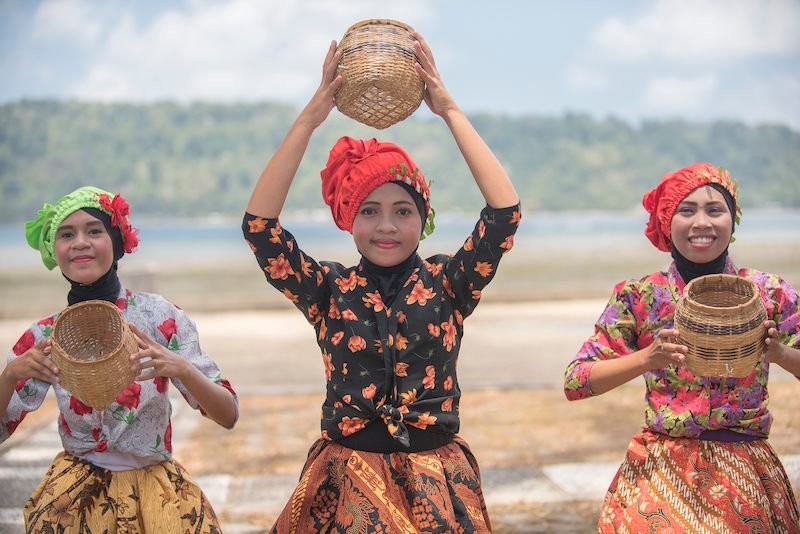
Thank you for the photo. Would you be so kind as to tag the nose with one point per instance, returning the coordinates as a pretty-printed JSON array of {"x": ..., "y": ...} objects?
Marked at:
[
  {"x": 81, "y": 240},
  {"x": 386, "y": 224},
  {"x": 701, "y": 220}
]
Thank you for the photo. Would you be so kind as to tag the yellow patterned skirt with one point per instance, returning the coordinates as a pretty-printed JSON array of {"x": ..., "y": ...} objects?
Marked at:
[
  {"x": 343, "y": 490},
  {"x": 76, "y": 496},
  {"x": 689, "y": 485}
]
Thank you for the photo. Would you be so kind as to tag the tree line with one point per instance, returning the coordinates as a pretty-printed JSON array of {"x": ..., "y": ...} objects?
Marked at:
[{"x": 171, "y": 159}]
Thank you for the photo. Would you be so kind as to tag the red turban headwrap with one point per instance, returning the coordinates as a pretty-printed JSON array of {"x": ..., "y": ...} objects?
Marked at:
[
  {"x": 662, "y": 201},
  {"x": 356, "y": 167}
]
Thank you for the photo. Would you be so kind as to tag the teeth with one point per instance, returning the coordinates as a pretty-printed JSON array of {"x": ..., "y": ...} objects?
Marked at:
[{"x": 701, "y": 239}]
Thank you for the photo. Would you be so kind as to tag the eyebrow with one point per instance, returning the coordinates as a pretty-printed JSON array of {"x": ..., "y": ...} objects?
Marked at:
[
  {"x": 692, "y": 203},
  {"x": 72, "y": 226},
  {"x": 375, "y": 202}
]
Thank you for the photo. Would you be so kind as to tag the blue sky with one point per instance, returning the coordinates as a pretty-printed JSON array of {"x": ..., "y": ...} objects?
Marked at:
[{"x": 697, "y": 60}]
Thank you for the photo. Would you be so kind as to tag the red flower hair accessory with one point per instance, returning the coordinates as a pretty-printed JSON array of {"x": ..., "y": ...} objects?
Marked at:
[
  {"x": 119, "y": 210},
  {"x": 662, "y": 201},
  {"x": 356, "y": 167}
]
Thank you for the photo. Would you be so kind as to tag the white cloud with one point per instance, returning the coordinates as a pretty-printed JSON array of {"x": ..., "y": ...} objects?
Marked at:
[
  {"x": 702, "y": 30},
  {"x": 78, "y": 21},
  {"x": 668, "y": 95},
  {"x": 583, "y": 78},
  {"x": 236, "y": 50}
]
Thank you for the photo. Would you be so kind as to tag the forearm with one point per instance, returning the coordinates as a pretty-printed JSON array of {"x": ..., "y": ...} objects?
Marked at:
[
  {"x": 789, "y": 359},
  {"x": 7, "y": 387},
  {"x": 273, "y": 185},
  {"x": 609, "y": 374},
  {"x": 492, "y": 180},
  {"x": 216, "y": 401}
]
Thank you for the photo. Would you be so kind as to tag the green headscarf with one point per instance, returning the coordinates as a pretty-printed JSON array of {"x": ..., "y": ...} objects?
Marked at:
[{"x": 41, "y": 232}]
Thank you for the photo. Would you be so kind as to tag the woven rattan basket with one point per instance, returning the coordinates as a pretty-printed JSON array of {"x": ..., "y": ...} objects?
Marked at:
[
  {"x": 91, "y": 345},
  {"x": 720, "y": 317},
  {"x": 379, "y": 84}
]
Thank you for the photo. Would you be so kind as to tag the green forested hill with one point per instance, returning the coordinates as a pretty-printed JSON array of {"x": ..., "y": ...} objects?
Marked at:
[{"x": 171, "y": 159}]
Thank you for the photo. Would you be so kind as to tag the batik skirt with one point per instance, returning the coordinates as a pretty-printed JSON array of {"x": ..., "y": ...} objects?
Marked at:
[
  {"x": 344, "y": 490},
  {"x": 691, "y": 485},
  {"x": 76, "y": 496}
]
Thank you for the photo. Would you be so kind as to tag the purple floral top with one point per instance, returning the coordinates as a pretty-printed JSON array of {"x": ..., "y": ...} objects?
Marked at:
[{"x": 680, "y": 404}]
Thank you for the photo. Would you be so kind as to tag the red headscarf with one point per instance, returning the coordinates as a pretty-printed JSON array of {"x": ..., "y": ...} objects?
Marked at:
[
  {"x": 356, "y": 167},
  {"x": 662, "y": 201}
]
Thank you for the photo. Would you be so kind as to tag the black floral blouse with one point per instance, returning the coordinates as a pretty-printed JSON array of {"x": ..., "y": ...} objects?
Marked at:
[{"x": 397, "y": 364}]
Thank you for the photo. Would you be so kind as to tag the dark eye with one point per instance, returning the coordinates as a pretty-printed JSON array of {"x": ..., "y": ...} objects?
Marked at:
[
  {"x": 96, "y": 231},
  {"x": 685, "y": 210},
  {"x": 367, "y": 211},
  {"x": 64, "y": 234},
  {"x": 404, "y": 212}
]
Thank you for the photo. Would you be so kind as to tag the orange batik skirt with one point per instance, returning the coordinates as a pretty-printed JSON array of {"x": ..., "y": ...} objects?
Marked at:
[
  {"x": 690, "y": 485},
  {"x": 76, "y": 496},
  {"x": 344, "y": 490}
]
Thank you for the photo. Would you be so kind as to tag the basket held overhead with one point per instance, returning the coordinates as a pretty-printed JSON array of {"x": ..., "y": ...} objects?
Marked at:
[
  {"x": 380, "y": 85},
  {"x": 91, "y": 345},
  {"x": 720, "y": 317}
]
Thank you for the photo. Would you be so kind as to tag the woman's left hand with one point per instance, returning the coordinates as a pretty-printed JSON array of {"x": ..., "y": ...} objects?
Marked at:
[
  {"x": 775, "y": 349},
  {"x": 437, "y": 97},
  {"x": 153, "y": 359}
]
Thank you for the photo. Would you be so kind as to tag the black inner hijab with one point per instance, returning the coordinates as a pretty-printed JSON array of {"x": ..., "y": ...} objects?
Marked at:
[
  {"x": 389, "y": 279},
  {"x": 690, "y": 270},
  {"x": 106, "y": 287}
]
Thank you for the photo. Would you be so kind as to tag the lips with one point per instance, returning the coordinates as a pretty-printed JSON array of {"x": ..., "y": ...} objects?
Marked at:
[
  {"x": 385, "y": 243},
  {"x": 82, "y": 259}
]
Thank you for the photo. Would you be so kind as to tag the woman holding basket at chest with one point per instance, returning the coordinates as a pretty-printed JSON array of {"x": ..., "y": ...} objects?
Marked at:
[
  {"x": 389, "y": 328},
  {"x": 116, "y": 472},
  {"x": 702, "y": 462}
]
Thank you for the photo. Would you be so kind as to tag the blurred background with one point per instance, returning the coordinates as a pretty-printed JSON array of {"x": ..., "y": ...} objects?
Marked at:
[{"x": 179, "y": 105}]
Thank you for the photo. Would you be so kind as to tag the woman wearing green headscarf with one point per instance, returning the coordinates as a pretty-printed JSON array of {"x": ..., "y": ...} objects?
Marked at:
[{"x": 116, "y": 472}]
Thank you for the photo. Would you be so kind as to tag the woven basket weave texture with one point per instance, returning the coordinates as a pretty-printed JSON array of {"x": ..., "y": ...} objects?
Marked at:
[
  {"x": 720, "y": 317},
  {"x": 91, "y": 345},
  {"x": 380, "y": 85}
]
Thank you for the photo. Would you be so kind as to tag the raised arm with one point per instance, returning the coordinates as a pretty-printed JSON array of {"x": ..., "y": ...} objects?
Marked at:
[
  {"x": 492, "y": 180},
  {"x": 273, "y": 185}
]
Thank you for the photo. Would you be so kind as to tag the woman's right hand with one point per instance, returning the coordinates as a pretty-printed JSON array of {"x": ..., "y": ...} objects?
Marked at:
[
  {"x": 33, "y": 363},
  {"x": 321, "y": 104},
  {"x": 665, "y": 351}
]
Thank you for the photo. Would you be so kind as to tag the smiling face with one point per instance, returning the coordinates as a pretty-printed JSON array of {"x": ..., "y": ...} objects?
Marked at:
[
  {"x": 387, "y": 227},
  {"x": 84, "y": 250},
  {"x": 702, "y": 225}
]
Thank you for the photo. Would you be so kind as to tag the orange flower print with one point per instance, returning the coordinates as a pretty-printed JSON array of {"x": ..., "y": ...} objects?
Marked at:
[
  {"x": 413, "y": 278},
  {"x": 347, "y": 399},
  {"x": 400, "y": 342},
  {"x": 449, "y": 338},
  {"x": 373, "y": 299},
  {"x": 350, "y": 426},
  {"x": 305, "y": 266},
  {"x": 425, "y": 420},
  {"x": 252, "y": 246},
  {"x": 481, "y": 229},
  {"x": 333, "y": 310},
  {"x": 356, "y": 343},
  {"x": 257, "y": 225},
  {"x": 276, "y": 235},
  {"x": 476, "y": 294},
  {"x": 429, "y": 382},
  {"x": 483, "y": 268},
  {"x": 401, "y": 317},
  {"x": 420, "y": 294},
  {"x": 323, "y": 329},
  {"x": 337, "y": 337},
  {"x": 291, "y": 296},
  {"x": 378, "y": 346},
  {"x": 344, "y": 368},
  {"x": 448, "y": 383},
  {"x": 401, "y": 369},
  {"x": 508, "y": 244},
  {"x": 468, "y": 245},
  {"x": 327, "y": 360},
  {"x": 459, "y": 317},
  {"x": 279, "y": 268},
  {"x": 447, "y": 405},
  {"x": 369, "y": 391},
  {"x": 433, "y": 330},
  {"x": 409, "y": 397},
  {"x": 447, "y": 287},
  {"x": 434, "y": 268},
  {"x": 348, "y": 315},
  {"x": 325, "y": 435},
  {"x": 350, "y": 283},
  {"x": 516, "y": 217},
  {"x": 320, "y": 279},
  {"x": 313, "y": 314},
  {"x": 290, "y": 245}
]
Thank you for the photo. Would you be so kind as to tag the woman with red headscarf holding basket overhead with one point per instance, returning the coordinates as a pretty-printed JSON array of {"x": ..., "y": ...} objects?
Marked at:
[
  {"x": 116, "y": 472},
  {"x": 702, "y": 462},
  {"x": 389, "y": 328}
]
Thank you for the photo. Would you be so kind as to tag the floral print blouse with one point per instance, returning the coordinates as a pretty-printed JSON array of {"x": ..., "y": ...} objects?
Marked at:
[
  {"x": 678, "y": 403},
  {"x": 137, "y": 423},
  {"x": 396, "y": 364}
]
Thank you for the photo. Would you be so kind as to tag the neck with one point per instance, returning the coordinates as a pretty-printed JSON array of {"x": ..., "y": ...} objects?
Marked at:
[{"x": 106, "y": 288}]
